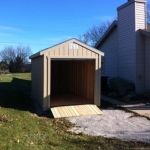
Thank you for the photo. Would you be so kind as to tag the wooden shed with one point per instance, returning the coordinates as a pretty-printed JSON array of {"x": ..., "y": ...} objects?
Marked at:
[{"x": 66, "y": 74}]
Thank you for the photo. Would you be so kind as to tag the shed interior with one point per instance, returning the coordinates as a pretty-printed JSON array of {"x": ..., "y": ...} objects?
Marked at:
[{"x": 72, "y": 82}]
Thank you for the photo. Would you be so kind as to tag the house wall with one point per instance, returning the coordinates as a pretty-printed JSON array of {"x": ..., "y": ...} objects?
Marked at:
[
  {"x": 127, "y": 43},
  {"x": 147, "y": 63},
  {"x": 131, "y": 18},
  {"x": 37, "y": 79},
  {"x": 140, "y": 24},
  {"x": 110, "y": 48}
]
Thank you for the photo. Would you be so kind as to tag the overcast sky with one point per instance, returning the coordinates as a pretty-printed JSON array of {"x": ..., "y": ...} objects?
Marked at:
[{"x": 43, "y": 23}]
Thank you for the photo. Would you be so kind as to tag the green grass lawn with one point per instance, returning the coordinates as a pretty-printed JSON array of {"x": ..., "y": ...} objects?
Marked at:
[{"x": 22, "y": 129}]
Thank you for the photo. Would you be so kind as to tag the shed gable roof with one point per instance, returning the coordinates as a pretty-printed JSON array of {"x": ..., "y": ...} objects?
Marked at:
[{"x": 73, "y": 40}]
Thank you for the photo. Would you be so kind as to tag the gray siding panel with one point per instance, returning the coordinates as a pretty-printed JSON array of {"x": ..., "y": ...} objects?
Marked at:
[
  {"x": 131, "y": 46},
  {"x": 140, "y": 24},
  {"x": 128, "y": 46},
  {"x": 147, "y": 63},
  {"x": 111, "y": 55},
  {"x": 127, "y": 43}
]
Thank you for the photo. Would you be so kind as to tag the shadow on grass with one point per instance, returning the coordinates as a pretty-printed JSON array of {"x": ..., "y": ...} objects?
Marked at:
[{"x": 16, "y": 94}]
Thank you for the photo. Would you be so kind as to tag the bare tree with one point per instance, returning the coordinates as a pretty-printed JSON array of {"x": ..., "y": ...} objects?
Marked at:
[
  {"x": 23, "y": 53},
  {"x": 148, "y": 13},
  {"x": 3, "y": 67},
  {"x": 15, "y": 57},
  {"x": 93, "y": 34},
  {"x": 7, "y": 54}
]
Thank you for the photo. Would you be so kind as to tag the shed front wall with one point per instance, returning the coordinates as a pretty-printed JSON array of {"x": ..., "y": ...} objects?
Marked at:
[
  {"x": 78, "y": 72},
  {"x": 37, "y": 79},
  {"x": 41, "y": 86},
  {"x": 62, "y": 51}
]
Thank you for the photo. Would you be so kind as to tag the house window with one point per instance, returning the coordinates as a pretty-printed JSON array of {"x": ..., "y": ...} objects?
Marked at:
[{"x": 102, "y": 64}]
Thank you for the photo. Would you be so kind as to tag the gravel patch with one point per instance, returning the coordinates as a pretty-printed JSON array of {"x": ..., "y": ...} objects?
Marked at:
[{"x": 113, "y": 123}]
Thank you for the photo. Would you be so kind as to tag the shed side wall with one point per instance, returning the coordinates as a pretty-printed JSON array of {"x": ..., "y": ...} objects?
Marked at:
[{"x": 37, "y": 79}]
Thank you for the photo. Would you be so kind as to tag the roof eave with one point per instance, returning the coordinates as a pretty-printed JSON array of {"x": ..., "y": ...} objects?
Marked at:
[
  {"x": 145, "y": 32},
  {"x": 35, "y": 55},
  {"x": 89, "y": 47},
  {"x": 130, "y": 2},
  {"x": 106, "y": 34}
]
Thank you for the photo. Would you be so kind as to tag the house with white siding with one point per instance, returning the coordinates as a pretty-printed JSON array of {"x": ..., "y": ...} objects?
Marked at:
[{"x": 126, "y": 45}]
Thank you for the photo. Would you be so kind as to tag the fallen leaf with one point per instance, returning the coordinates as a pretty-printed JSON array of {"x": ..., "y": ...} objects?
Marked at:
[{"x": 31, "y": 143}]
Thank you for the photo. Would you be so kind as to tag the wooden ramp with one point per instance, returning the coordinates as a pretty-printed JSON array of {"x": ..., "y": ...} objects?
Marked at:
[{"x": 74, "y": 111}]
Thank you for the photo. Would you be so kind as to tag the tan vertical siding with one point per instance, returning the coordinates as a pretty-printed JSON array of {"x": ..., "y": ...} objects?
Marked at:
[
  {"x": 37, "y": 79},
  {"x": 64, "y": 51},
  {"x": 45, "y": 84}
]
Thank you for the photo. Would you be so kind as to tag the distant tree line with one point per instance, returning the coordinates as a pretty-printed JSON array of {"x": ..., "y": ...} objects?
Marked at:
[{"x": 14, "y": 59}]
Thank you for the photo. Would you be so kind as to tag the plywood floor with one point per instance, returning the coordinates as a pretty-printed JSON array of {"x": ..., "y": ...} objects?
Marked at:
[
  {"x": 74, "y": 111},
  {"x": 68, "y": 98}
]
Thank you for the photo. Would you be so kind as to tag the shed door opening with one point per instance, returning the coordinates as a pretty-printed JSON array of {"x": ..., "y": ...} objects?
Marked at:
[{"x": 72, "y": 82}]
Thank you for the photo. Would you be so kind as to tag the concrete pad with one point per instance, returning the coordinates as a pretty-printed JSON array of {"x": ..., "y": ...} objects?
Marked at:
[
  {"x": 113, "y": 123},
  {"x": 140, "y": 108},
  {"x": 143, "y": 112}
]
